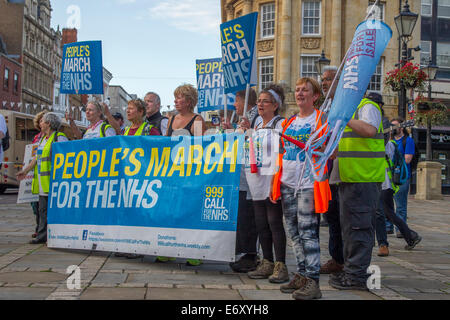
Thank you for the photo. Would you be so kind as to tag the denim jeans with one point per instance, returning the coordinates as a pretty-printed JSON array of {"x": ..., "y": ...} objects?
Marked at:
[
  {"x": 302, "y": 226},
  {"x": 401, "y": 203}
]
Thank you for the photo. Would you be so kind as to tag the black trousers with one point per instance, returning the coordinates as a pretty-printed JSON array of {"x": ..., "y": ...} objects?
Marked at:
[
  {"x": 358, "y": 205},
  {"x": 42, "y": 228},
  {"x": 246, "y": 235},
  {"x": 335, "y": 245}
]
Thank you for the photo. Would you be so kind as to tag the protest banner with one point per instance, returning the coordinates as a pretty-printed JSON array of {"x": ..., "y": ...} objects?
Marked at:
[
  {"x": 82, "y": 68},
  {"x": 166, "y": 196},
  {"x": 25, "y": 194},
  {"x": 210, "y": 86},
  {"x": 238, "y": 38}
]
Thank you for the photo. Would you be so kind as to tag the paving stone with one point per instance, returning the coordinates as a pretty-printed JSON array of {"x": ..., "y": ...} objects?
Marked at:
[
  {"x": 264, "y": 295},
  {"x": 217, "y": 286},
  {"x": 189, "y": 286},
  {"x": 184, "y": 278},
  {"x": 427, "y": 296},
  {"x": 133, "y": 285},
  {"x": 8, "y": 293},
  {"x": 113, "y": 294},
  {"x": 103, "y": 285},
  {"x": 160, "y": 285},
  {"x": 244, "y": 287},
  {"x": 191, "y": 294},
  {"x": 115, "y": 278},
  {"x": 31, "y": 277}
]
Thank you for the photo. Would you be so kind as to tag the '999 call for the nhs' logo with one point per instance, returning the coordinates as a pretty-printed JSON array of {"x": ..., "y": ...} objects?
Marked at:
[{"x": 216, "y": 204}]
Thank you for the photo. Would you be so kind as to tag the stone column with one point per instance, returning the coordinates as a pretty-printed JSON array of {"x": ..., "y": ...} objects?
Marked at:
[
  {"x": 336, "y": 39},
  {"x": 248, "y": 7},
  {"x": 285, "y": 42},
  {"x": 230, "y": 11}
]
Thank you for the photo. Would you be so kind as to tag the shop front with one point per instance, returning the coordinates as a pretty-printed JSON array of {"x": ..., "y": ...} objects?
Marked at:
[{"x": 440, "y": 146}]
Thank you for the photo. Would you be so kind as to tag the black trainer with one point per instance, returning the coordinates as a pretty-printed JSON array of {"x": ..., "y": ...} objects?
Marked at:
[
  {"x": 245, "y": 264},
  {"x": 342, "y": 282},
  {"x": 413, "y": 243}
]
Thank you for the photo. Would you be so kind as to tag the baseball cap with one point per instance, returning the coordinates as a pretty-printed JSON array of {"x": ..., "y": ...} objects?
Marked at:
[{"x": 376, "y": 97}]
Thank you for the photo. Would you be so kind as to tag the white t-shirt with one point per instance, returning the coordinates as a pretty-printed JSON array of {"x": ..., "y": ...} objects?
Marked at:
[
  {"x": 95, "y": 131},
  {"x": 164, "y": 124},
  {"x": 294, "y": 157},
  {"x": 3, "y": 129},
  {"x": 266, "y": 148},
  {"x": 39, "y": 154}
]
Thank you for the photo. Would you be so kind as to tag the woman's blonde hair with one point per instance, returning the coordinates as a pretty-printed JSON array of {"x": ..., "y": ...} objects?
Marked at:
[
  {"x": 189, "y": 93},
  {"x": 38, "y": 118}
]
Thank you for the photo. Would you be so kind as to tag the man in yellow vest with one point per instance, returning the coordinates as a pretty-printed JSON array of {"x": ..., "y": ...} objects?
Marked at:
[{"x": 359, "y": 171}]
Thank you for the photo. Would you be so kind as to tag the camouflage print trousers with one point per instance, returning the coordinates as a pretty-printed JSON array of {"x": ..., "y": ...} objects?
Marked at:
[{"x": 302, "y": 226}]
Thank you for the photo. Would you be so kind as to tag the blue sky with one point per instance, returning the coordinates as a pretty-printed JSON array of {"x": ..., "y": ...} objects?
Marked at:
[{"x": 148, "y": 45}]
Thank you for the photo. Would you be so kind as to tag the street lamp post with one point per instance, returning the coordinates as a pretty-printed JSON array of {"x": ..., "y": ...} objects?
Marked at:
[
  {"x": 321, "y": 63},
  {"x": 405, "y": 23},
  {"x": 430, "y": 70}
]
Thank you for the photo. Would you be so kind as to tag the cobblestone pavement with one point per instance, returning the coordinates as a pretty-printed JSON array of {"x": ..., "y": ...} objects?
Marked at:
[{"x": 35, "y": 272}]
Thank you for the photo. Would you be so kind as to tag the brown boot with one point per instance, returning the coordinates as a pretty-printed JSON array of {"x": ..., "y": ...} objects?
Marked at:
[
  {"x": 383, "y": 251},
  {"x": 331, "y": 266},
  {"x": 309, "y": 291},
  {"x": 296, "y": 283},
  {"x": 263, "y": 271},
  {"x": 280, "y": 273}
]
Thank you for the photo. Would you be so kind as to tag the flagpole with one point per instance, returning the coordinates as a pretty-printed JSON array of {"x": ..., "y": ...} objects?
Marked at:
[{"x": 247, "y": 91}]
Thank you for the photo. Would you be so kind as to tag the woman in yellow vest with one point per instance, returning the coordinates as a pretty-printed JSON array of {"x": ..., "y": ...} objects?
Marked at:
[
  {"x": 139, "y": 127},
  {"x": 302, "y": 198},
  {"x": 98, "y": 127},
  {"x": 41, "y": 163}
]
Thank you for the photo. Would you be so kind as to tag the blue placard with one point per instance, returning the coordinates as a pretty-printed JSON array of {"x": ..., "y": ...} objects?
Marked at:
[
  {"x": 177, "y": 196},
  {"x": 82, "y": 68},
  {"x": 238, "y": 52},
  {"x": 210, "y": 86}
]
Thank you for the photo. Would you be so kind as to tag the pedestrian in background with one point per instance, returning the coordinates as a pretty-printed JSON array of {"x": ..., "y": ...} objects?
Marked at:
[{"x": 406, "y": 146}]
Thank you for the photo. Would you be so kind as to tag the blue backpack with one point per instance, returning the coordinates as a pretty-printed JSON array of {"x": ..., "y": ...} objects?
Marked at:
[{"x": 398, "y": 167}]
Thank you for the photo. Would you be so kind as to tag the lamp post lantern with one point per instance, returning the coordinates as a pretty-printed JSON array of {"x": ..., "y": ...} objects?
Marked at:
[
  {"x": 405, "y": 23},
  {"x": 321, "y": 63}
]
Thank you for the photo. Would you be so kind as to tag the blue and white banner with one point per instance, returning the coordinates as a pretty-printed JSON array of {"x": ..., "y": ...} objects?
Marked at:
[
  {"x": 238, "y": 38},
  {"x": 165, "y": 196},
  {"x": 82, "y": 68},
  {"x": 369, "y": 42},
  {"x": 210, "y": 86}
]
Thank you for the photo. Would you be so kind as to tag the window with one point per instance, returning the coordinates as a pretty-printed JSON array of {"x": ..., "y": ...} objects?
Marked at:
[
  {"x": 427, "y": 7},
  {"x": 377, "y": 78},
  {"x": 425, "y": 52},
  {"x": 378, "y": 11},
  {"x": 6, "y": 79},
  {"x": 267, "y": 20},
  {"x": 443, "y": 54},
  {"x": 311, "y": 17},
  {"x": 16, "y": 83},
  {"x": 443, "y": 9},
  {"x": 265, "y": 72},
  {"x": 308, "y": 68}
]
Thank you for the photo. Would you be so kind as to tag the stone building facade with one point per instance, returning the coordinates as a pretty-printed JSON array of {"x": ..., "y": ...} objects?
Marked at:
[
  {"x": 291, "y": 35},
  {"x": 26, "y": 28}
]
